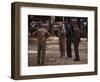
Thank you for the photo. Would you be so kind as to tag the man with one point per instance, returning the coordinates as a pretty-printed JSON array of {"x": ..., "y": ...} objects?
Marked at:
[
  {"x": 68, "y": 40},
  {"x": 41, "y": 34},
  {"x": 61, "y": 35},
  {"x": 76, "y": 38}
]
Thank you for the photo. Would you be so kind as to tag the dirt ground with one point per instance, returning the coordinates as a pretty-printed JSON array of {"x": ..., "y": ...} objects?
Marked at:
[{"x": 53, "y": 53}]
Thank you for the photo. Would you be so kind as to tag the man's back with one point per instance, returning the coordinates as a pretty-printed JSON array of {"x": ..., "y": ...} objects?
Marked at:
[
  {"x": 41, "y": 35},
  {"x": 69, "y": 33}
]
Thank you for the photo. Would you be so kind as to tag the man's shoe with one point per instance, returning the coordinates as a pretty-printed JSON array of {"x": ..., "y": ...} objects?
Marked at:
[
  {"x": 61, "y": 56},
  {"x": 69, "y": 57},
  {"x": 76, "y": 59}
]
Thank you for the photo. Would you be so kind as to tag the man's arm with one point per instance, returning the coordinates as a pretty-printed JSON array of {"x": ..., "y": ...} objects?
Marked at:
[
  {"x": 48, "y": 34},
  {"x": 34, "y": 34}
]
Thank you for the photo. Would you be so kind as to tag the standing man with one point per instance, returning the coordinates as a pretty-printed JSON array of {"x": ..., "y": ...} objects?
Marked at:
[
  {"x": 42, "y": 34},
  {"x": 61, "y": 35},
  {"x": 69, "y": 38},
  {"x": 76, "y": 38}
]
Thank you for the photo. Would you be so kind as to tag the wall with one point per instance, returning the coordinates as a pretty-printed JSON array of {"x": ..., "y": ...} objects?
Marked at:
[{"x": 5, "y": 40}]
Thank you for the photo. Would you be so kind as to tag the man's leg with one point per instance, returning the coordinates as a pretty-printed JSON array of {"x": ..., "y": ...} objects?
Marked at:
[
  {"x": 62, "y": 47},
  {"x": 39, "y": 54},
  {"x": 76, "y": 45},
  {"x": 68, "y": 46},
  {"x": 43, "y": 53}
]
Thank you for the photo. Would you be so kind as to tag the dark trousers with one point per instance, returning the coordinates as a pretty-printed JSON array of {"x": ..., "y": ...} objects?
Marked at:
[
  {"x": 76, "y": 40},
  {"x": 62, "y": 46},
  {"x": 68, "y": 48},
  {"x": 76, "y": 45},
  {"x": 41, "y": 53}
]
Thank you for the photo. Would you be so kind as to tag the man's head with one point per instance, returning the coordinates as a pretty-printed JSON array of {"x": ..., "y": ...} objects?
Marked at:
[
  {"x": 44, "y": 25},
  {"x": 73, "y": 21},
  {"x": 60, "y": 24},
  {"x": 66, "y": 21}
]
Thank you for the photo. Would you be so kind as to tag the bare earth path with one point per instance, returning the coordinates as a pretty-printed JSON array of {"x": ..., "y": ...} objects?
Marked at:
[{"x": 53, "y": 53}]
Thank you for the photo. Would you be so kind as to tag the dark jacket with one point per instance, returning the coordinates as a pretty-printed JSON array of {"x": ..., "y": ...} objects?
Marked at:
[{"x": 69, "y": 34}]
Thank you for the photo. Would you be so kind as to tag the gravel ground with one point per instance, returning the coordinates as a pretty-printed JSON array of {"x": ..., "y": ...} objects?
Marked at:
[{"x": 53, "y": 53}]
